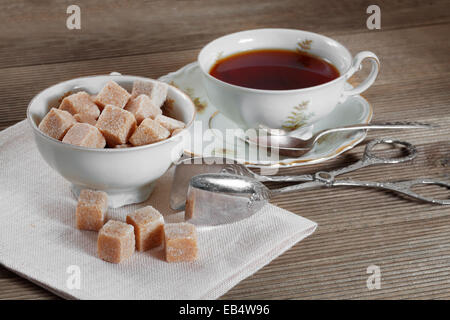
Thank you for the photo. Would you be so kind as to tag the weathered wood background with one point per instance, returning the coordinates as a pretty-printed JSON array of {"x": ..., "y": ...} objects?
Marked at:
[{"x": 357, "y": 228}]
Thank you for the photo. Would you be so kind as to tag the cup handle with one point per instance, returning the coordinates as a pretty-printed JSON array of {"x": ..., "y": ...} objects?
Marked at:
[{"x": 356, "y": 65}]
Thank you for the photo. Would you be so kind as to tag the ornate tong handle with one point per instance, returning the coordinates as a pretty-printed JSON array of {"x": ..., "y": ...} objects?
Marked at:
[
  {"x": 370, "y": 158},
  {"x": 324, "y": 178},
  {"x": 402, "y": 187}
]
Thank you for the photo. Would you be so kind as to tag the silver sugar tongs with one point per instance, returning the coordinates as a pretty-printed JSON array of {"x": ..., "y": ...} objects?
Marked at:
[{"x": 220, "y": 198}]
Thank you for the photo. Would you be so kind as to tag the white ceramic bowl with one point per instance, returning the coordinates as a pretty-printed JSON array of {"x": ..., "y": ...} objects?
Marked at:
[
  {"x": 288, "y": 109},
  {"x": 128, "y": 175}
]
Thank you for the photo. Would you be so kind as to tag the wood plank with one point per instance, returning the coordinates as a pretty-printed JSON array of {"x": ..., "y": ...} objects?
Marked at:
[
  {"x": 357, "y": 227},
  {"x": 5, "y": 274},
  {"x": 35, "y": 32},
  {"x": 412, "y": 258},
  {"x": 416, "y": 82},
  {"x": 21, "y": 289}
]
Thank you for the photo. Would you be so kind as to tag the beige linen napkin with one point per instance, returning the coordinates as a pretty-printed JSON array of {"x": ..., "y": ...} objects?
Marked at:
[{"x": 39, "y": 241}]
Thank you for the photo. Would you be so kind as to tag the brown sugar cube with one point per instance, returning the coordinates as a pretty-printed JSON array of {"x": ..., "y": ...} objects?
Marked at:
[
  {"x": 91, "y": 210},
  {"x": 157, "y": 91},
  {"x": 56, "y": 123},
  {"x": 189, "y": 206},
  {"x": 142, "y": 107},
  {"x": 169, "y": 123},
  {"x": 149, "y": 131},
  {"x": 84, "y": 135},
  {"x": 84, "y": 118},
  {"x": 180, "y": 242},
  {"x": 116, "y": 125},
  {"x": 80, "y": 103},
  {"x": 148, "y": 226},
  {"x": 115, "y": 241},
  {"x": 112, "y": 94}
]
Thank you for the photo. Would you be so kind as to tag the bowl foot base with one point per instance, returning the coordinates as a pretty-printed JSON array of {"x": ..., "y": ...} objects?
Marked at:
[{"x": 120, "y": 198}]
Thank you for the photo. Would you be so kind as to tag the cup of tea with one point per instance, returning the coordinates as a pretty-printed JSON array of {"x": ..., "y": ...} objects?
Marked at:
[{"x": 280, "y": 78}]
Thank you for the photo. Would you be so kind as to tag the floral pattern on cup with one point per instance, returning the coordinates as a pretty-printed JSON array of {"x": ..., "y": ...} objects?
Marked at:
[
  {"x": 304, "y": 45},
  {"x": 299, "y": 117},
  {"x": 200, "y": 105}
]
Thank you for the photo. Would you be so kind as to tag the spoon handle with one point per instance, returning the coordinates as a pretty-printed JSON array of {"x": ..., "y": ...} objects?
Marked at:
[
  {"x": 386, "y": 125},
  {"x": 291, "y": 178}
]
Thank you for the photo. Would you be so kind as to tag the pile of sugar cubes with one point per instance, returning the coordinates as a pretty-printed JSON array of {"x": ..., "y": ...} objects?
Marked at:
[
  {"x": 113, "y": 118},
  {"x": 144, "y": 229}
]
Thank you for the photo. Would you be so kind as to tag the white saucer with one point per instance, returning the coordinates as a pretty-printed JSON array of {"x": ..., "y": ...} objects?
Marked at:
[{"x": 355, "y": 110}]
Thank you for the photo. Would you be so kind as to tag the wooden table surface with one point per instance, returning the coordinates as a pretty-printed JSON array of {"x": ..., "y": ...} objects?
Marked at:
[{"x": 409, "y": 241}]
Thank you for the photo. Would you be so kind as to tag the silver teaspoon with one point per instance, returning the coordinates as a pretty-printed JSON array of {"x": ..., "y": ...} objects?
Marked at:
[{"x": 280, "y": 140}]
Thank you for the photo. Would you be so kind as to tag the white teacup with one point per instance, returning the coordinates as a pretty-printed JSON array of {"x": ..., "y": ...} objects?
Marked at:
[{"x": 288, "y": 109}]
